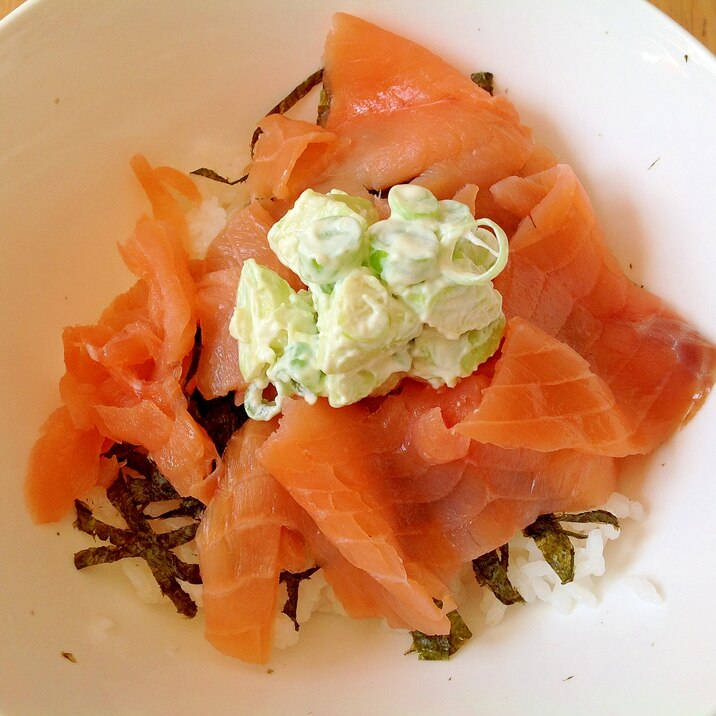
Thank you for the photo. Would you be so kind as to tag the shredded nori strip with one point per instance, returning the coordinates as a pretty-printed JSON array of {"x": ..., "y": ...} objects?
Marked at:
[
  {"x": 484, "y": 80},
  {"x": 440, "y": 647},
  {"x": 293, "y": 580},
  {"x": 554, "y": 544},
  {"x": 553, "y": 541},
  {"x": 130, "y": 494},
  {"x": 324, "y": 107},
  {"x": 194, "y": 358},
  {"x": 220, "y": 417},
  {"x": 379, "y": 193},
  {"x": 294, "y": 96},
  {"x": 151, "y": 485},
  {"x": 593, "y": 516},
  {"x": 214, "y": 176},
  {"x": 490, "y": 570}
]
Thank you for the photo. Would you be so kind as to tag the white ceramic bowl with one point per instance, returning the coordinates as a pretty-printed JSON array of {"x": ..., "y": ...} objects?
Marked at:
[{"x": 615, "y": 88}]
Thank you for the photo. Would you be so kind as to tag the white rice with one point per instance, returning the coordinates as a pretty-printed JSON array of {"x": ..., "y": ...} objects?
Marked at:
[
  {"x": 102, "y": 508},
  {"x": 285, "y": 633},
  {"x": 135, "y": 569},
  {"x": 644, "y": 588},
  {"x": 205, "y": 223},
  {"x": 315, "y": 596},
  {"x": 138, "y": 573},
  {"x": 492, "y": 608},
  {"x": 536, "y": 581}
]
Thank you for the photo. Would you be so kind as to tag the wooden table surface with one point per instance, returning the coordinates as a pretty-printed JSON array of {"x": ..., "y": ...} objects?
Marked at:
[{"x": 697, "y": 16}]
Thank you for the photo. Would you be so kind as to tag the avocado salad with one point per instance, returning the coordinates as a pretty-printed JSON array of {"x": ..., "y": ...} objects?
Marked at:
[{"x": 406, "y": 296}]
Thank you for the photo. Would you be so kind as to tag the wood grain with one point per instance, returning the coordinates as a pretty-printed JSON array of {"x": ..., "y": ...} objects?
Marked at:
[
  {"x": 7, "y": 6},
  {"x": 697, "y": 16}
]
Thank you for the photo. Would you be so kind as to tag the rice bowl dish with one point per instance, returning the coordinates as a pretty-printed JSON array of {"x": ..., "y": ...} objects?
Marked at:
[{"x": 91, "y": 311}]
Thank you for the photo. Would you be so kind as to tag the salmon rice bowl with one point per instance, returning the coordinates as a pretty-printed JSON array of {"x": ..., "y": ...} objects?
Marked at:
[{"x": 391, "y": 367}]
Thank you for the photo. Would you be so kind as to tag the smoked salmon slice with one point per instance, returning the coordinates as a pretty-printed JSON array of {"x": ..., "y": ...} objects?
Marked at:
[
  {"x": 545, "y": 396},
  {"x": 155, "y": 256},
  {"x": 450, "y": 506},
  {"x": 288, "y": 156},
  {"x": 442, "y": 507},
  {"x": 123, "y": 378},
  {"x": 157, "y": 183},
  {"x": 322, "y": 463},
  {"x": 409, "y": 115},
  {"x": 64, "y": 465},
  {"x": 398, "y": 113},
  {"x": 562, "y": 278},
  {"x": 242, "y": 550},
  {"x": 243, "y": 237}
]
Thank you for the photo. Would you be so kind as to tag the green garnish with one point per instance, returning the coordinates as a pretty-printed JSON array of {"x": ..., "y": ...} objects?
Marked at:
[
  {"x": 440, "y": 647},
  {"x": 130, "y": 495},
  {"x": 484, "y": 80},
  {"x": 293, "y": 580},
  {"x": 490, "y": 570}
]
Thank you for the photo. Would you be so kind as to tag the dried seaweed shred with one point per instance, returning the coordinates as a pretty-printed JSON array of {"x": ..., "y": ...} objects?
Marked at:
[
  {"x": 324, "y": 107},
  {"x": 592, "y": 517},
  {"x": 554, "y": 544},
  {"x": 379, "y": 193},
  {"x": 294, "y": 96},
  {"x": 220, "y": 417},
  {"x": 484, "y": 80},
  {"x": 138, "y": 485},
  {"x": 553, "y": 541},
  {"x": 298, "y": 93},
  {"x": 215, "y": 176},
  {"x": 440, "y": 647},
  {"x": 293, "y": 580},
  {"x": 490, "y": 570}
]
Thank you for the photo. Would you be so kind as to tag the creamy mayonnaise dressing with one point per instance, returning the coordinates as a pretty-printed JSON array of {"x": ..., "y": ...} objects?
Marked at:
[{"x": 410, "y": 295}]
